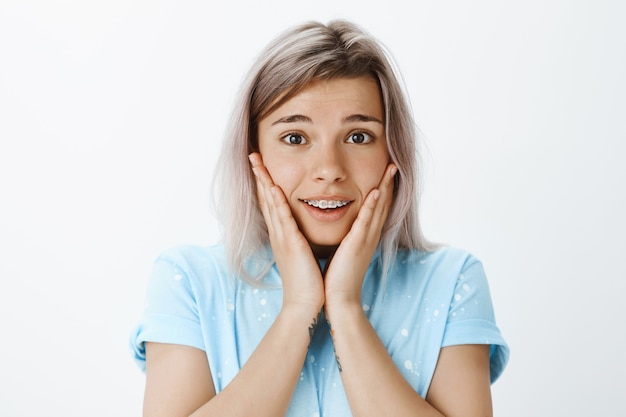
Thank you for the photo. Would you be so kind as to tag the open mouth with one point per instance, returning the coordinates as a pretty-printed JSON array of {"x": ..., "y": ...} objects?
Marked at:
[{"x": 327, "y": 204}]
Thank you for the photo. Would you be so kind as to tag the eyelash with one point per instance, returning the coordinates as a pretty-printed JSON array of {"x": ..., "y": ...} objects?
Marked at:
[
  {"x": 285, "y": 138},
  {"x": 368, "y": 138}
]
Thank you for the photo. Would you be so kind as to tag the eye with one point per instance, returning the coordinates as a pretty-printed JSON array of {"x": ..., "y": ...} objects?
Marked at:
[
  {"x": 360, "y": 138},
  {"x": 294, "y": 139}
]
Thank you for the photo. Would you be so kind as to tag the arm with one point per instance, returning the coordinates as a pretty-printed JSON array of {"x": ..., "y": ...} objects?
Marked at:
[
  {"x": 373, "y": 384},
  {"x": 265, "y": 384},
  {"x": 179, "y": 380},
  {"x": 460, "y": 385}
]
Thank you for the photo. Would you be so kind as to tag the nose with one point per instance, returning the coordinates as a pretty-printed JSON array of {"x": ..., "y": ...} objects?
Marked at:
[{"x": 328, "y": 164}]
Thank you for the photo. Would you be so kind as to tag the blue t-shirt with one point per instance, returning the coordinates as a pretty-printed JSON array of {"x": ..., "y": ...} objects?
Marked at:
[{"x": 429, "y": 300}]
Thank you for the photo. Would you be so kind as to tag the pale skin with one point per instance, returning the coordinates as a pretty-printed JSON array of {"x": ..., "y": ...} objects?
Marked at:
[{"x": 328, "y": 144}]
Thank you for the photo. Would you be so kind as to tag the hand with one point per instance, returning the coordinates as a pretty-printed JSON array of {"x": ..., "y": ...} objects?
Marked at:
[
  {"x": 347, "y": 268},
  {"x": 300, "y": 273}
]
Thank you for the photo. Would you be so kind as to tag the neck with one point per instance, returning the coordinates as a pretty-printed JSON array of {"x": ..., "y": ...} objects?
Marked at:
[{"x": 323, "y": 252}]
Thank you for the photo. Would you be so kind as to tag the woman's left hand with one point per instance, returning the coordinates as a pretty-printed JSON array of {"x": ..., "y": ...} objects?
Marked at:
[{"x": 346, "y": 271}]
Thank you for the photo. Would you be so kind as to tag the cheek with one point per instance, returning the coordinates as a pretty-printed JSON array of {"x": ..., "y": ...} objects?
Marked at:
[
  {"x": 370, "y": 178},
  {"x": 284, "y": 174}
]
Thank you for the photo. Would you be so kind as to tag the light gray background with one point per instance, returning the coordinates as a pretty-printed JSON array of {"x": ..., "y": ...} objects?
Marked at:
[{"x": 111, "y": 114}]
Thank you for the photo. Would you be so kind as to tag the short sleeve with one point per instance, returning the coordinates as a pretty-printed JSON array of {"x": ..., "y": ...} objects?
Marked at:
[
  {"x": 171, "y": 312},
  {"x": 471, "y": 318}
]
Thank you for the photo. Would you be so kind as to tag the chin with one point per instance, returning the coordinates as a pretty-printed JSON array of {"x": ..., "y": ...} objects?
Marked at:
[
  {"x": 332, "y": 238},
  {"x": 324, "y": 243},
  {"x": 325, "y": 239}
]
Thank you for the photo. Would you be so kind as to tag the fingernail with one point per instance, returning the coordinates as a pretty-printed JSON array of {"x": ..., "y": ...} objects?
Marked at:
[
  {"x": 393, "y": 171},
  {"x": 252, "y": 158}
]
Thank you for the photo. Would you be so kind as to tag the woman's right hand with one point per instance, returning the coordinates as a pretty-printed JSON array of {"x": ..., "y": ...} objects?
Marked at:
[
  {"x": 179, "y": 377},
  {"x": 301, "y": 276}
]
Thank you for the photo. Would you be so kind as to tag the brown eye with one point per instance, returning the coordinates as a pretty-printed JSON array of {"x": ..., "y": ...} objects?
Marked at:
[
  {"x": 294, "y": 139},
  {"x": 360, "y": 138}
]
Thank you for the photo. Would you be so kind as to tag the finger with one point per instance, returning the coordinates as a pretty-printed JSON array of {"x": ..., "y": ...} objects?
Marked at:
[
  {"x": 282, "y": 212},
  {"x": 263, "y": 179},
  {"x": 364, "y": 224},
  {"x": 263, "y": 185},
  {"x": 387, "y": 182},
  {"x": 259, "y": 169},
  {"x": 265, "y": 182},
  {"x": 373, "y": 214},
  {"x": 383, "y": 201},
  {"x": 276, "y": 210}
]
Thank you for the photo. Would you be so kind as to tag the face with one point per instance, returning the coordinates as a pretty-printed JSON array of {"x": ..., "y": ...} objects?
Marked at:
[{"x": 326, "y": 149}]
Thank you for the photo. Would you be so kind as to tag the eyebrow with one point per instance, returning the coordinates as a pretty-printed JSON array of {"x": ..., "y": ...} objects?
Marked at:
[
  {"x": 305, "y": 119},
  {"x": 361, "y": 118},
  {"x": 293, "y": 119}
]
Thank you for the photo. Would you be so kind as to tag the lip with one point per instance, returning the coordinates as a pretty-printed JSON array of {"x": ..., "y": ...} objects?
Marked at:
[{"x": 327, "y": 215}]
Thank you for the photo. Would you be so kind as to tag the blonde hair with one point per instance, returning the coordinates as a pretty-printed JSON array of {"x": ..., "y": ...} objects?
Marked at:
[{"x": 299, "y": 55}]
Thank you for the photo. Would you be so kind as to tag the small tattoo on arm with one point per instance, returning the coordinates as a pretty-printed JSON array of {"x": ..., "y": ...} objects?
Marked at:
[
  {"x": 332, "y": 336},
  {"x": 313, "y": 326},
  {"x": 338, "y": 363}
]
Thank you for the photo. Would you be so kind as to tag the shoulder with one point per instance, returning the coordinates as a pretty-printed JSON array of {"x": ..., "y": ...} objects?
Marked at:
[
  {"x": 194, "y": 257},
  {"x": 438, "y": 272},
  {"x": 192, "y": 254},
  {"x": 445, "y": 260},
  {"x": 193, "y": 266}
]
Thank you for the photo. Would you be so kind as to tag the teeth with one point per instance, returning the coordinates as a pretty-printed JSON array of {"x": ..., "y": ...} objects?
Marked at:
[{"x": 326, "y": 204}]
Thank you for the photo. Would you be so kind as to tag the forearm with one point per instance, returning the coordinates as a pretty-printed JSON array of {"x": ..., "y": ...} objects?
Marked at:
[
  {"x": 265, "y": 384},
  {"x": 373, "y": 384}
]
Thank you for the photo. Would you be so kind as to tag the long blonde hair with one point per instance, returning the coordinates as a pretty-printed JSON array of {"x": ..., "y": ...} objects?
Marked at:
[{"x": 296, "y": 57}]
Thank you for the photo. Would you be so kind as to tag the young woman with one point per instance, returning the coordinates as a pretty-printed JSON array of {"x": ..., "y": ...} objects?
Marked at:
[{"x": 324, "y": 299}]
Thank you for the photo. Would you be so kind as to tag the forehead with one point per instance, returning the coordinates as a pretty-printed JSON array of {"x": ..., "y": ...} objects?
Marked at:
[{"x": 340, "y": 96}]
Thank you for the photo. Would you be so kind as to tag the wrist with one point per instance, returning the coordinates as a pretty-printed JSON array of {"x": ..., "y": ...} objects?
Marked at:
[
  {"x": 300, "y": 311},
  {"x": 303, "y": 300},
  {"x": 338, "y": 311}
]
